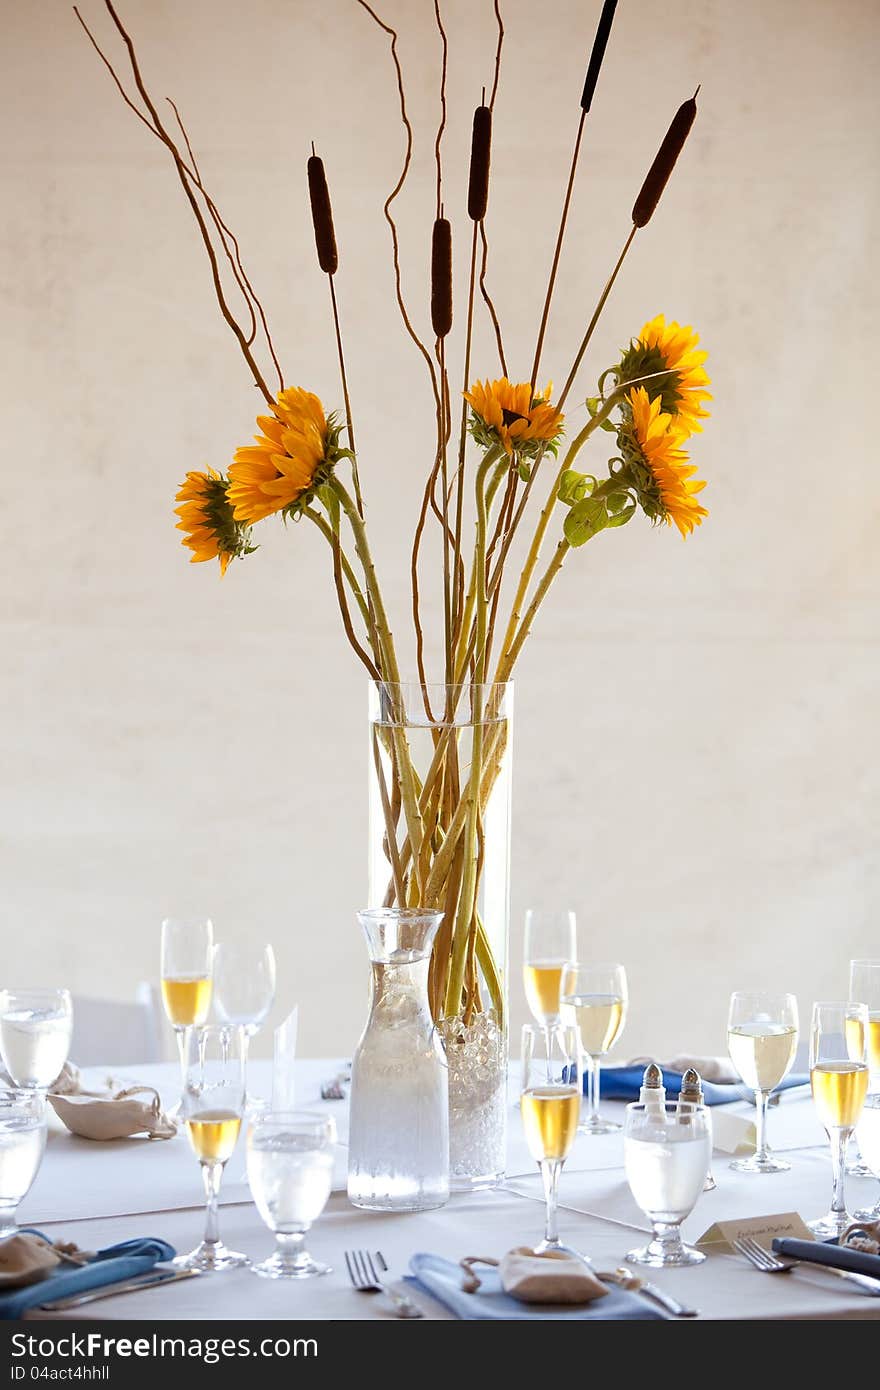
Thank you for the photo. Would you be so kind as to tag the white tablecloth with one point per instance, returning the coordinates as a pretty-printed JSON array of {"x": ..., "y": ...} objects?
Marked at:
[{"x": 98, "y": 1194}]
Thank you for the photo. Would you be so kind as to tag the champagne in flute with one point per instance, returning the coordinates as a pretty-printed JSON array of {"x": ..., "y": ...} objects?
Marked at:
[
  {"x": 549, "y": 946},
  {"x": 550, "y": 1102},
  {"x": 839, "y": 1081},
  {"x": 864, "y": 988},
  {"x": 187, "y": 1000},
  {"x": 594, "y": 1001},
  {"x": 186, "y": 959},
  {"x": 213, "y": 1134},
  {"x": 762, "y": 1038}
]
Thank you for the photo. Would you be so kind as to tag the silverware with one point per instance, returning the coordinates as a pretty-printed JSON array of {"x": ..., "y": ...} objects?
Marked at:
[
  {"x": 145, "y": 1281},
  {"x": 769, "y": 1264},
  {"x": 332, "y": 1089},
  {"x": 366, "y": 1278},
  {"x": 626, "y": 1279}
]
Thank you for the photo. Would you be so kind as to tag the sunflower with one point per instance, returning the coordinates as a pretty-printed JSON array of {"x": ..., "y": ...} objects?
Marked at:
[
  {"x": 510, "y": 415},
  {"x": 206, "y": 517},
  {"x": 294, "y": 452},
  {"x": 671, "y": 348},
  {"x": 658, "y": 466}
]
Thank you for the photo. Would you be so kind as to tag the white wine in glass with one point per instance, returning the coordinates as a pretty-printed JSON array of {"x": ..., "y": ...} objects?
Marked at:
[
  {"x": 839, "y": 1081},
  {"x": 185, "y": 971},
  {"x": 550, "y": 1104},
  {"x": 549, "y": 946},
  {"x": 594, "y": 1001},
  {"x": 864, "y": 988},
  {"x": 762, "y": 1038},
  {"x": 212, "y": 1105}
]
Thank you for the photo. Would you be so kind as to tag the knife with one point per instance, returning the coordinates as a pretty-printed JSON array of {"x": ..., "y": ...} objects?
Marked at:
[{"x": 148, "y": 1281}]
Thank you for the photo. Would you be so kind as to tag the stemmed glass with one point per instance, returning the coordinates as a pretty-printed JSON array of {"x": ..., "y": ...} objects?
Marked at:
[
  {"x": 36, "y": 1026},
  {"x": 864, "y": 988},
  {"x": 212, "y": 1106},
  {"x": 550, "y": 943},
  {"x": 290, "y": 1172},
  {"x": 244, "y": 986},
  {"x": 550, "y": 1104},
  {"x": 762, "y": 1038},
  {"x": 22, "y": 1141},
  {"x": 667, "y": 1149},
  {"x": 594, "y": 999},
  {"x": 186, "y": 964},
  {"x": 839, "y": 1080}
]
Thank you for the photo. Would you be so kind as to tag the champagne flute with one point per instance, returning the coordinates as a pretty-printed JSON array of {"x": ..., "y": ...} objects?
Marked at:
[
  {"x": 36, "y": 1026},
  {"x": 762, "y": 1038},
  {"x": 22, "y": 1141},
  {"x": 839, "y": 1080},
  {"x": 290, "y": 1172},
  {"x": 550, "y": 1105},
  {"x": 667, "y": 1149},
  {"x": 549, "y": 946},
  {"x": 864, "y": 988},
  {"x": 212, "y": 1106},
  {"x": 594, "y": 1000},
  {"x": 243, "y": 986},
  {"x": 185, "y": 970}
]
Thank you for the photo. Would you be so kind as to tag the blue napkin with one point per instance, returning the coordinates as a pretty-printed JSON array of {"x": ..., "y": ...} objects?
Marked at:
[
  {"x": 109, "y": 1266},
  {"x": 624, "y": 1083},
  {"x": 826, "y": 1253},
  {"x": 442, "y": 1279}
]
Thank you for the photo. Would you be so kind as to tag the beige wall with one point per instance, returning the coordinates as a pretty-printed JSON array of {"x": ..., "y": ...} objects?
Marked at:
[{"x": 696, "y": 762}]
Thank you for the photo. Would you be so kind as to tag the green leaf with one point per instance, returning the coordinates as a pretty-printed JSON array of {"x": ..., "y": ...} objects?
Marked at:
[
  {"x": 623, "y": 516},
  {"x": 574, "y": 487},
  {"x": 585, "y": 520},
  {"x": 616, "y": 502}
]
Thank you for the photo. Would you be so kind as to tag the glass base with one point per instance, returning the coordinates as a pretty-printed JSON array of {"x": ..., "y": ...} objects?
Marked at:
[
  {"x": 831, "y": 1225},
  {"x": 763, "y": 1163},
  {"x": 483, "y": 1182},
  {"x": 300, "y": 1266},
  {"x": 867, "y": 1213},
  {"x": 659, "y": 1256},
  {"x": 597, "y": 1124},
  {"x": 858, "y": 1168},
  {"x": 214, "y": 1256}
]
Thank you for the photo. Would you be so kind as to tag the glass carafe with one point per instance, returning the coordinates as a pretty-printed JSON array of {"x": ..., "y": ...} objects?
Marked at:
[{"x": 398, "y": 1146}]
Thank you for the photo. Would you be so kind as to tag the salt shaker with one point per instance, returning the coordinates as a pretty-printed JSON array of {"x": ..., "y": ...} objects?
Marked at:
[
  {"x": 692, "y": 1093},
  {"x": 653, "y": 1093}
]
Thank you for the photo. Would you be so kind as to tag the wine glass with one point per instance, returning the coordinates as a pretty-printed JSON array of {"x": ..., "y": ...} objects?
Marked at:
[
  {"x": 839, "y": 1080},
  {"x": 550, "y": 1105},
  {"x": 290, "y": 1172},
  {"x": 762, "y": 1038},
  {"x": 36, "y": 1026},
  {"x": 212, "y": 1106},
  {"x": 185, "y": 970},
  {"x": 594, "y": 1000},
  {"x": 550, "y": 943},
  {"x": 864, "y": 988},
  {"x": 666, "y": 1149},
  {"x": 22, "y": 1141},
  {"x": 244, "y": 985}
]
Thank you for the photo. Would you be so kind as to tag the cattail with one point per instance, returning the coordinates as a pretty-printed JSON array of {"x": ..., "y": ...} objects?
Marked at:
[
  {"x": 481, "y": 145},
  {"x": 441, "y": 277},
  {"x": 322, "y": 217},
  {"x": 660, "y": 170},
  {"x": 599, "y": 45}
]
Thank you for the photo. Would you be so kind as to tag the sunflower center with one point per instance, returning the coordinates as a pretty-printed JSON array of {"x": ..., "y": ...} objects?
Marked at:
[{"x": 510, "y": 416}]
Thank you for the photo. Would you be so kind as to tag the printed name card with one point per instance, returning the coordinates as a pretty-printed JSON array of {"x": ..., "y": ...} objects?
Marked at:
[{"x": 763, "y": 1229}]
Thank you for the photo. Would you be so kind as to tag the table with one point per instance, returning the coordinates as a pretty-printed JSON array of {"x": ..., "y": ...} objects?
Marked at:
[{"x": 99, "y": 1194}]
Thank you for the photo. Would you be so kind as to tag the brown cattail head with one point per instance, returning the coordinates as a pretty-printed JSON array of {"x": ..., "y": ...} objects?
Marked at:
[
  {"x": 322, "y": 217},
  {"x": 481, "y": 147},
  {"x": 599, "y": 45},
  {"x": 660, "y": 170},
  {"x": 441, "y": 278}
]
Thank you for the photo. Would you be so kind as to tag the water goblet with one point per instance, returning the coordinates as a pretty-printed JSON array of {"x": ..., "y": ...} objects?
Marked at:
[{"x": 290, "y": 1172}]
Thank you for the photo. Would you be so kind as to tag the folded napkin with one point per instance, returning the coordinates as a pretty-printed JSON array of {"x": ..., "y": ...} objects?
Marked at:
[
  {"x": 120, "y": 1116},
  {"x": 817, "y": 1252},
  {"x": 117, "y": 1262},
  {"x": 442, "y": 1279},
  {"x": 624, "y": 1083}
]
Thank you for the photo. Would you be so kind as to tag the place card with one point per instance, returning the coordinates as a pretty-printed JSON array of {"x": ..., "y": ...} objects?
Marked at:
[
  {"x": 733, "y": 1134},
  {"x": 284, "y": 1064},
  {"x": 763, "y": 1229}
]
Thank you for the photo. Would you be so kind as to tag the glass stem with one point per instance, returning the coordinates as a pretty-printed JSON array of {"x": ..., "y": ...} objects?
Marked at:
[
  {"x": 667, "y": 1237},
  {"x": 761, "y": 1101},
  {"x": 8, "y": 1218},
  {"x": 550, "y": 1170},
  {"x": 211, "y": 1175},
  {"x": 595, "y": 1066},
  {"x": 839, "y": 1141},
  {"x": 180, "y": 1037},
  {"x": 291, "y": 1246}
]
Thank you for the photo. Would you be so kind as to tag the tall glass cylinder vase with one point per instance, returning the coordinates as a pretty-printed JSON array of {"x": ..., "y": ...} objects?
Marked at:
[{"x": 440, "y": 785}]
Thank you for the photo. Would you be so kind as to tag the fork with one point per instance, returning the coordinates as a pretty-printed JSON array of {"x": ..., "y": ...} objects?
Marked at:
[
  {"x": 366, "y": 1279},
  {"x": 769, "y": 1264}
]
